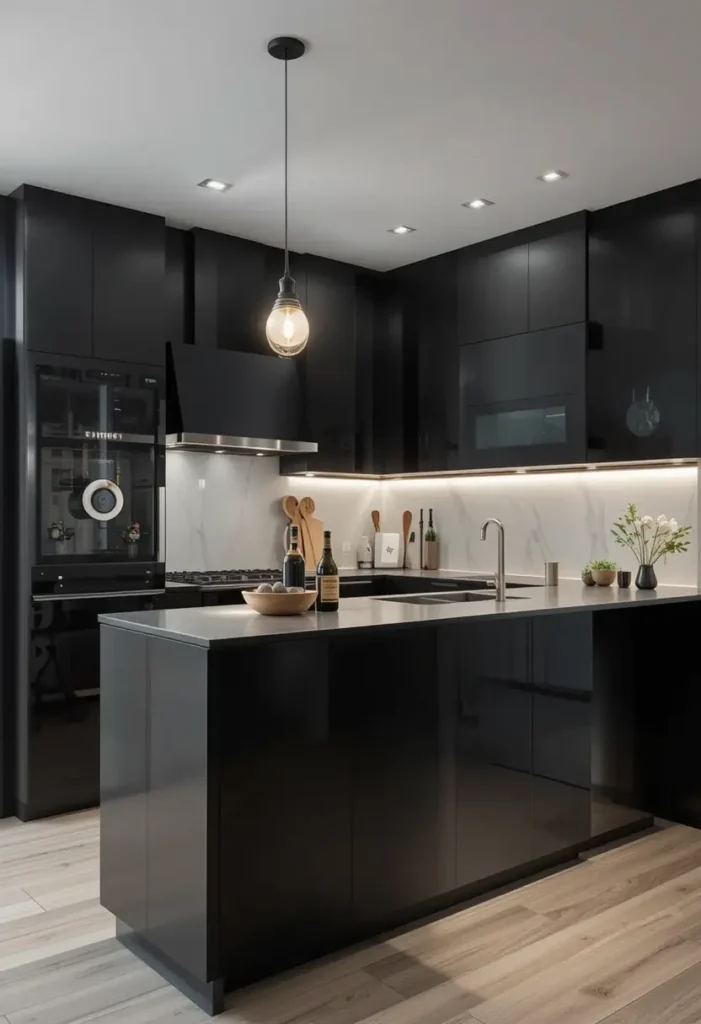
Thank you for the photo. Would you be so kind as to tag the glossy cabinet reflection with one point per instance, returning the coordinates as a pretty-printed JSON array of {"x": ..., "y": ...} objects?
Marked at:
[
  {"x": 523, "y": 742},
  {"x": 643, "y": 290}
]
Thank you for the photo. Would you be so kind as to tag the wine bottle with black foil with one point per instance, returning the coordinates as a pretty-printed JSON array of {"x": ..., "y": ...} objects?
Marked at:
[
  {"x": 293, "y": 564},
  {"x": 430, "y": 544},
  {"x": 327, "y": 586}
]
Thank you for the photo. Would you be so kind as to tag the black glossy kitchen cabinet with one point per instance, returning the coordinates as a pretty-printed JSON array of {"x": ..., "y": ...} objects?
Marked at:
[
  {"x": 527, "y": 739},
  {"x": 430, "y": 330},
  {"x": 526, "y": 281},
  {"x": 644, "y": 287},
  {"x": 400, "y": 716},
  {"x": 54, "y": 258},
  {"x": 235, "y": 286},
  {"x": 179, "y": 286},
  {"x": 493, "y": 293},
  {"x": 128, "y": 285},
  {"x": 494, "y": 748},
  {"x": 91, "y": 277},
  {"x": 523, "y": 399},
  {"x": 329, "y": 363},
  {"x": 285, "y": 737}
]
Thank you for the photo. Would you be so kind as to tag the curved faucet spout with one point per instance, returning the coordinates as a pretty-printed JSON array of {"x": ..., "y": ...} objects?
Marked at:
[{"x": 500, "y": 576}]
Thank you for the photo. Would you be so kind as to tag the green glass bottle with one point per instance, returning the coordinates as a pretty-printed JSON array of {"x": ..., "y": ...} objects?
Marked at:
[
  {"x": 293, "y": 564},
  {"x": 327, "y": 585}
]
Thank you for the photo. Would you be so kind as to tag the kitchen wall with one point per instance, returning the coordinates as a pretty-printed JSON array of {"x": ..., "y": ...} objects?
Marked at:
[
  {"x": 224, "y": 512},
  {"x": 563, "y": 517}
]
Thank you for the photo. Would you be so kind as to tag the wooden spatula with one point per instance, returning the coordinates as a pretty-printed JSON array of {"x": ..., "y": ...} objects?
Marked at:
[
  {"x": 312, "y": 530},
  {"x": 375, "y": 515},
  {"x": 290, "y": 506},
  {"x": 406, "y": 527}
]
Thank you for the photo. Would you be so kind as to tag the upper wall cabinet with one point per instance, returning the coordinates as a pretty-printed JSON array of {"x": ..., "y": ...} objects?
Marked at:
[
  {"x": 329, "y": 362},
  {"x": 54, "y": 258},
  {"x": 6, "y": 252},
  {"x": 643, "y": 280},
  {"x": 527, "y": 281},
  {"x": 179, "y": 286},
  {"x": 429, "y": 291},
  {"x": 92, "y": 278},
  {"x": 235, "y": 286},
  {"x": 128, "y": 285}
]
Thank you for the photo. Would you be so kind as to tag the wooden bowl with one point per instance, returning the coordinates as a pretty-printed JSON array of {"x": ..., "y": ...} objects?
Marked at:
[
  {"x": 280, "y": 604},
  {"x": 603, "y": 577}
]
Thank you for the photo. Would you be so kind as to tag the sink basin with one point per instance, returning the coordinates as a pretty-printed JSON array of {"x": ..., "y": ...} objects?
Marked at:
[{"x": 459, "y": 597}]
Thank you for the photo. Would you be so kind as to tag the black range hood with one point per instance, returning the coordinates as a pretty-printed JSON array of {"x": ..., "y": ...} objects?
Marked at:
[{"x": 234, "y": 402}]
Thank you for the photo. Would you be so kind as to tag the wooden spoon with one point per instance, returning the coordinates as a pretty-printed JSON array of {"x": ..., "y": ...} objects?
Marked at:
[
  {"x": 290, "y": 506},
  {"x": 406, "y": 527},
  {"x": 306, "y": 511},
  {"x": 375, "y": 520}
]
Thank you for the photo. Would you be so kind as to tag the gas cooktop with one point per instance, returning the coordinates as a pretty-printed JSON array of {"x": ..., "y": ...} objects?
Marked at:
[{"x": 224, "y": 577}]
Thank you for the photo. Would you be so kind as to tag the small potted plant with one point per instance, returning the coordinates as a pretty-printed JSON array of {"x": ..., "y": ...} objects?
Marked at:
[
  {"x": 649, "y": 539},
  {"x": 587, "y": 578},
  {"x": 603, "y": 571}
]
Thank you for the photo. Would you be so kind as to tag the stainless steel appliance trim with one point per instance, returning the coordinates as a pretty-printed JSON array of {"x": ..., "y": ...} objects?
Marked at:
[
  {"x": 239, "y": 445},
  {"x": 40, "y": 598}
]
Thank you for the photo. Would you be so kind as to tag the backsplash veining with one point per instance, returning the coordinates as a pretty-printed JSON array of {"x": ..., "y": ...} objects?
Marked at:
[{"x": 224, "y": 512}]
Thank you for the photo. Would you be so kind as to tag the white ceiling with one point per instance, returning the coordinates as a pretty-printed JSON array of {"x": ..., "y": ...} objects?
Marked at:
[{"x": 400, "y": 111}]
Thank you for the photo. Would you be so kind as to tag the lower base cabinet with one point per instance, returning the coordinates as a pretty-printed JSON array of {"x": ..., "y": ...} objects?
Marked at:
[
  {"x": 399, "y": 715},
  {"x": 265, "y": 803}
]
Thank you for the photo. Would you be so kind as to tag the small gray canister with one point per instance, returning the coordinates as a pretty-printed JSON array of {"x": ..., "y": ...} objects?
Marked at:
[{"x": 552, "y": 574}]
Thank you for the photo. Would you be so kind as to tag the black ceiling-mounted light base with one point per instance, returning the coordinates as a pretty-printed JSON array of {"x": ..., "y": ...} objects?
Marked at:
[{"x": 286, "y": 48}]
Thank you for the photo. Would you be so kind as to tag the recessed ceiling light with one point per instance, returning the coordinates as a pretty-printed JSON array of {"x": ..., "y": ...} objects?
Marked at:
[
  {"x": 219, "y": 451},
  {"x": 552, "y": 176},
  {"x": 261, "y": 455},
  {"x": 477, "y": 204},
  {"x": 401, "y": 229},
  {"x": 216, "y": 186}
]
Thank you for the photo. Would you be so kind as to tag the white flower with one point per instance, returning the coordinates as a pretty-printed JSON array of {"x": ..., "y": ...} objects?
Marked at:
[
  {"x": 661, "y": 520},
  {"x": 673, "y": 525},
  {"x": 648, "y": 522},
  {"x": 664, "y": 528}
]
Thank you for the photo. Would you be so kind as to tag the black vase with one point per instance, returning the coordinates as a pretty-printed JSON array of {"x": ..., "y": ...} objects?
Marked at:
[{"x": 646, "y": 579}]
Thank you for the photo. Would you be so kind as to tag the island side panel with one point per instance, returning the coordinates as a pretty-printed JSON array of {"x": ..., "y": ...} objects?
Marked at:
[
  {"x": 285, "y": 802},
  {"x": 123, "y": 775},
  {"x": 182, "y": 815}
]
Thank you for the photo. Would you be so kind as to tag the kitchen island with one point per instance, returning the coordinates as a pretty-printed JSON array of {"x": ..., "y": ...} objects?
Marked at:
[{"x": 274, "y": 788}]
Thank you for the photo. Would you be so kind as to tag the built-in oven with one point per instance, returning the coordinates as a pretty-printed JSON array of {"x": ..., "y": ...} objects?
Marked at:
[
  {"x": 523, "y": 400},
  {"x": 91, "y": 459},
  {"x": 97, "y": 464}
]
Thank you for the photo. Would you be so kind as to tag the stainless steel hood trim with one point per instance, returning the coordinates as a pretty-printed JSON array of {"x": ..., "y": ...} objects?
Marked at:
[{"x": 239, "y": 445}]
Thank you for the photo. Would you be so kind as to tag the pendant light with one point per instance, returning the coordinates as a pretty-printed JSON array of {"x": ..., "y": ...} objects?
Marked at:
[{"x": 287, "y": 328}]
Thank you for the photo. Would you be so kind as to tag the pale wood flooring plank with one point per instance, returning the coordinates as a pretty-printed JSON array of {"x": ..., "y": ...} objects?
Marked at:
[
  {"x": 344, "y": 1000},
  {"x": 596, "y": 982},
  {"x": 54, "y": 931},
  {"x": 677, "y": 1001}
]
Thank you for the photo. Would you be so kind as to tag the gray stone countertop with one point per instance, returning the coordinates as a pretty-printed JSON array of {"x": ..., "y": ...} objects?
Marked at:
[{"x": 232, "y": 624}]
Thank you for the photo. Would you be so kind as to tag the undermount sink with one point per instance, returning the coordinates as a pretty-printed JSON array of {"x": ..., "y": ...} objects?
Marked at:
[{"x": 459, "y": 597}]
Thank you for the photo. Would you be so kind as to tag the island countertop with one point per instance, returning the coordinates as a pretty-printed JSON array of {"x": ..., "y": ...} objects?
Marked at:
[{"x": 232, "y": 624}]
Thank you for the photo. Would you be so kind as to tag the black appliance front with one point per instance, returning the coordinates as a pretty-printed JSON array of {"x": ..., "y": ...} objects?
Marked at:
[
  {"x": 62, "y": 739},
  {"x": 97, "y": 455},
  {"x": 523, "y": 400},
  {"x": 91, "y": 456}
]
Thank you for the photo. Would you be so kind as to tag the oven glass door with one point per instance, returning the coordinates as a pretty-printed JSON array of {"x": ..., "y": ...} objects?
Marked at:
[{"x": 97, "y": 469}]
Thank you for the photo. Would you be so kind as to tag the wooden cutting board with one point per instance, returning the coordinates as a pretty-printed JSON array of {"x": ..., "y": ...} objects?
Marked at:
[{"x": 313, "y": 530}]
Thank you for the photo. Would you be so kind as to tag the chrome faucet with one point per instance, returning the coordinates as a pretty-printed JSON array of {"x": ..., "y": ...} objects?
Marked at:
[{"x": 500, "y": 577}]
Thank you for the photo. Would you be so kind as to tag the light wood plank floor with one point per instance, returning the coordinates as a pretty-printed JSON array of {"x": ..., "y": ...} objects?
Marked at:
[{"x": 615, "y": 938}]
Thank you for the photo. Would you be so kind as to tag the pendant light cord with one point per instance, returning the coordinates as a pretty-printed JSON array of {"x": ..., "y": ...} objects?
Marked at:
[{"x": 287, "y": 255}]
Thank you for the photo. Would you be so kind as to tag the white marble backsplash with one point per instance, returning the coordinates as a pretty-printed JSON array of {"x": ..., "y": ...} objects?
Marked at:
[
  {"x": 224, "y": 512},
  {"x": 559, "y": 517}
]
